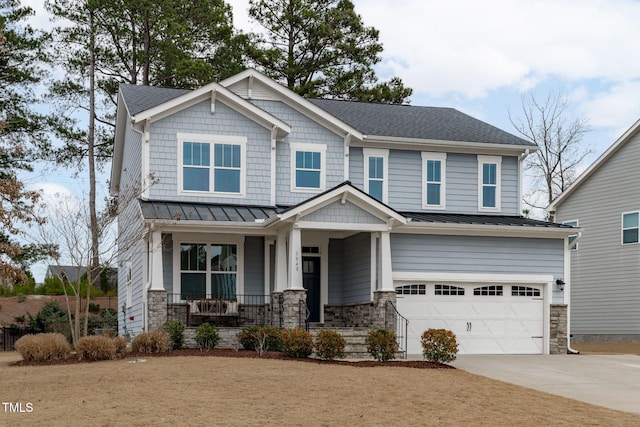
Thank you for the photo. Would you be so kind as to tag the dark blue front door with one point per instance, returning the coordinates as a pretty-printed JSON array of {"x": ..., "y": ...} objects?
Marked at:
[{"x": 311, "y": 282}]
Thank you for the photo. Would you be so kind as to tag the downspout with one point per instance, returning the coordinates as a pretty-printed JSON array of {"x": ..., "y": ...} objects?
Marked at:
[
  {"x": 567, "y": 293},
  {"x": 521, "y": 179},
  {"x": 147, "y": 285}
]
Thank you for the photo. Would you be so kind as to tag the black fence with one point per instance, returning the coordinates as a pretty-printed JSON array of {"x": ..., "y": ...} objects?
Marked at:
[
  {"x": 241, "y": 310},
  {"x": 9, "y": 337}
]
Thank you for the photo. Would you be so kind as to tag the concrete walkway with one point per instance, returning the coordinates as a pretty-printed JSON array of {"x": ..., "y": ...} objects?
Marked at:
[{"x": 612, "y": 381}]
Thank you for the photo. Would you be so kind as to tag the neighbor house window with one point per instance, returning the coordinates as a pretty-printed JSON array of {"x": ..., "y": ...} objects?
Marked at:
[
  {"x": 308, "y": 167},
  {"x": 630, "y": 227},
  {"x": 208, "y": 270},
  {"x": 375, "y": 173},
  {"x": 212, "y": 164},
  {"x": 489, "y": 177},
  {"x": 433, "y": 180},
  {"x": 573, "y": 239}
]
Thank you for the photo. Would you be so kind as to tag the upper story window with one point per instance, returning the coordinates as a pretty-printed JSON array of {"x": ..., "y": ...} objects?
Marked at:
[
  {"x": 433, "y": 180},
  {"x": 308, "y": 167},
  {"x": 375, "y": 173},
  {"x": 489, "y": 178},
  {"x": 212, "y": 164},
  {"x": 630, "y": 227},
  {"x": 573, "y": 239}
]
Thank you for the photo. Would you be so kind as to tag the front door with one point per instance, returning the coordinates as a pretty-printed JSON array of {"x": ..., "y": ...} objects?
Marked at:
[{"x": 311, "y": 282}]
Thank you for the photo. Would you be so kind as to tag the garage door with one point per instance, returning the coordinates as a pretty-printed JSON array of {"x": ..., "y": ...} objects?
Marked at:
[{"x": 486, "y": 318}]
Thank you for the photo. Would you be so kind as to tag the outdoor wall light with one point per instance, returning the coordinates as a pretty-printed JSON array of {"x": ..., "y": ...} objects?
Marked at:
[{"x": 560, "y": 284}]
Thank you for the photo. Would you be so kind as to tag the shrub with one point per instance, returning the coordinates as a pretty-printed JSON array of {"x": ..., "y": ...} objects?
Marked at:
[
  {"x": 151, "y": 342},
  {"x": 121, "y": 345},
  {"x": 261, "y": 338},
  {"x": 96, "y": 347},
  {"x": 381, "y": 344},
  {"x": 439, "y": 345},
  {"x": 175, "y": 329},
  {"x": 43, "y": 347},
  {"x": 297, "y": 342},
  {"x": 207, "y": 337},
  {"x": 330, "y": 344}
]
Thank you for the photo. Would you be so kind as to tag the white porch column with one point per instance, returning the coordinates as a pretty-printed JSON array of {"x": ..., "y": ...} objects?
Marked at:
[
  {"x": 157, "y": 283},
  {"x": 295, "y": 259},
  {"x": 386, "y": 279},
  {"x": 281, "y": 263}
]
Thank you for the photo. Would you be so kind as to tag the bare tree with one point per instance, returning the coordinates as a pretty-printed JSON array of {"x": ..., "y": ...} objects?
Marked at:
[{"x": 561, "y": 151}]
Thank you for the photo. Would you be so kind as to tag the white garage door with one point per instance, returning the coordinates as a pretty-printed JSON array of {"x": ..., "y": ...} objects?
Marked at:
[{"x": 487, "y": 319}]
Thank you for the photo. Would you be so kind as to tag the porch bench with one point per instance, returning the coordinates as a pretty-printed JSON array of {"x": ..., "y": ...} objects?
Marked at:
[{"x": 222, "y": 309}]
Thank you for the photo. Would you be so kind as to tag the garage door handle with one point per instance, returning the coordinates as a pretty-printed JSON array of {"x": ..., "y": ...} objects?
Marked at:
[{"x": 469, "y": 326}]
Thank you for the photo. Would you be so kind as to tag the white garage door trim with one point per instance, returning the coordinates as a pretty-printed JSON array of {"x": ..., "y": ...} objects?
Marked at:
[{"x": 544, "y": 282}]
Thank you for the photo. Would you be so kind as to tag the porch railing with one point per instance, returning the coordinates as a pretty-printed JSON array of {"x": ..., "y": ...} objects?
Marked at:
[
  {"x": 241, "y": 310},
  {"x": 394, "y": 320}
]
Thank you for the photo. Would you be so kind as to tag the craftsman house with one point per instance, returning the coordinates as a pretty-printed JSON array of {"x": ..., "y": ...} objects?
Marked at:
[
  {"x": 245, "y": 203},
  {"x": 605, "y": 202}
]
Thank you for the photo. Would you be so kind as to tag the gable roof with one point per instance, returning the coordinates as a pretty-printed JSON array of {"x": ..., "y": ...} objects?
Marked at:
[
  {"x": 140, "y": 98},
  {"x": 584, "y": 176},
  {"x": 407, "y": 121}
]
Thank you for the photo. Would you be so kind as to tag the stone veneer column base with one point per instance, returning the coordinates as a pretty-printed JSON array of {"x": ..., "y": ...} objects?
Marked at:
[
  {"x": 291, "y": 316},
  {"x": 157, "y": 308},
  {"x": 558, "y": 329},
  {"x": 383, "y": 314},
  {"x": 276, "y": 309}
]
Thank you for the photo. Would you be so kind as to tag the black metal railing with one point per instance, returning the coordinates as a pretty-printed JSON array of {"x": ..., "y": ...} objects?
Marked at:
[
  {"x": 241, "y": 310},
  {"x": 9, "y": 337},
  {"x": 395, "y": 321}
]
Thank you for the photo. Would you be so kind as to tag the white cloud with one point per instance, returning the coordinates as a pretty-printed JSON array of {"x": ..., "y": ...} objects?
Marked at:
[{"x": 615, "y": 108}]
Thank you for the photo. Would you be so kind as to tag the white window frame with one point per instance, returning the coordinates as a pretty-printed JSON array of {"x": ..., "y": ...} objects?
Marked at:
[
  {"x": 376, "y": 152},
  {"x": 184, "y": 239},
  {"x": 573, "y": 223},
  {"x": 622, "y": 229},
  {"x": 129, "y": 284},
  {"x": 212, "y": 140},
  {"x": 442, "y": 157},
  {"x": 497, "y": 160},
  {"x": 313, "y": 148}
]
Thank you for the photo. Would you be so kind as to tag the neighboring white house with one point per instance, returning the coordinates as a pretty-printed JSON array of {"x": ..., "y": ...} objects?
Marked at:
[
  {"x": 255, "y": 205},
  {"x": 605, "y": 257}
]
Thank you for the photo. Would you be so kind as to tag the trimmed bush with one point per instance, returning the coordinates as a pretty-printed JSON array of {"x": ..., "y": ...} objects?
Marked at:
[
  {"x": 297, "y": 342},
  {"x": 207, "y": 337},
  {"x": 439, "y": 345},
  {"x": 121, "y": 345},
  {"x": 330, "y": 344},
  {"x": 382, "y": 344},
  {"x": 252, "y": 337},
  {"x": 151, "y": 342},
  {"x": 96, "y": 347},
  {"x": 175, "y": 329},
  {"x": 43, "y": 347}
]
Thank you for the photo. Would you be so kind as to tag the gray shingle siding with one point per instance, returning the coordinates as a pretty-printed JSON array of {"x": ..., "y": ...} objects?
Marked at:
[
  {"x": 336, "y": 271},
  {"x": 605, "y": 290},
  {"x": 339, "y": 213},
  {"x": 254, "y": 265},
  {"x": 357, "y": 276}
]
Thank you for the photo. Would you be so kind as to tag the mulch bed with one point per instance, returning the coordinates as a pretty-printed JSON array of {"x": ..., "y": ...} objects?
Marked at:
[{"x": 225, "y": 352}]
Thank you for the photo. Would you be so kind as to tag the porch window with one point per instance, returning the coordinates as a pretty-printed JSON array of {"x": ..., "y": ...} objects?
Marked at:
[
  {"x": 220, "y": 270},
  {"x": 630, "y": 226},
  {"x": 211, "y": 164},
  {"x": 224, "y": 268},
  {"x": 308, "y": 167},
  {"x": 433, "y": 180},
  {"x": 489, "y": 177},
  {"x": 193, "y": 267},
  {"x": 375, "y": 173}
]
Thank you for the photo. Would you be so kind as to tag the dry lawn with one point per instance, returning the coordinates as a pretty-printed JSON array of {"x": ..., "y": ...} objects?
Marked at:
[
  {"x": 608, "y": 348},
  {"x": 228, "y": 391}
]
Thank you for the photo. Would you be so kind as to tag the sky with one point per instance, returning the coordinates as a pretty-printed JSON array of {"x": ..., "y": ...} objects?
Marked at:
[{"x": 480, "y": 57}]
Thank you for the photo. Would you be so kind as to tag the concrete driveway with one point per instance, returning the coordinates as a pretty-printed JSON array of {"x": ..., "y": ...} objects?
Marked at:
[{"x": 612, "y": 381}]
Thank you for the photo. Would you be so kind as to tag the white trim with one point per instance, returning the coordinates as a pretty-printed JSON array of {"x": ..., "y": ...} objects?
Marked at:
[
  {"x": 622, "y": 229},
  {"x": 573, "y": 223},
  {"x": 157, "y": 280},
  {"x": 267, "y": 265},
  {"x": 497, "y": 160},
  {"x": 273, "y": 169},
  {"x": 375, "y": 263},
  {"x": 294, "y": 147},
  {"x": 129, "y": 284},
  {"x": 377, "y": 152},
  {"x": 181, "y": 138},
  {"x": 442, "y": 158},
  {"x": 538, "y": 279},
  {"x": 355, "y": 227},
  {"x": 404, "y": 143},
  {"x": 145, "y": 167}
]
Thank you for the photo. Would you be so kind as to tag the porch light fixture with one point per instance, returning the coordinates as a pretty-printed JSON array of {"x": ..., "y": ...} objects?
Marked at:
[{"x": 560, "y": 284}]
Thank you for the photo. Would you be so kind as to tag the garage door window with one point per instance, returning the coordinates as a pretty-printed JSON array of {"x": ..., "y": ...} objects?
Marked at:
[
  {"x": 412, "y": 290},
  {"x": 524, "y": 291},
  {"x": 488, "y": 291},
  {"x": 448, "y": 290}
]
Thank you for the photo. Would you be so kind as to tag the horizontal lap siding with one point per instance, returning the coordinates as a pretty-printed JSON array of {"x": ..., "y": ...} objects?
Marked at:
[
  {"x": 357, "y": 269},
  {"x": 198, "y": 119},
  {"x": 336, "y": 266},
  {"x": 254, "y": 265},
  {"x": 605, "y": 275}
]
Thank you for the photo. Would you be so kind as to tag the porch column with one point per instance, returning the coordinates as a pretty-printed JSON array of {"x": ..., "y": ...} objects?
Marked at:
[
  {"x": 295, "y": 260},
  {"x": 386, "y": 279},
  {"x": 281, "y": 263},
  {"x": 157, "y": 283}
]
